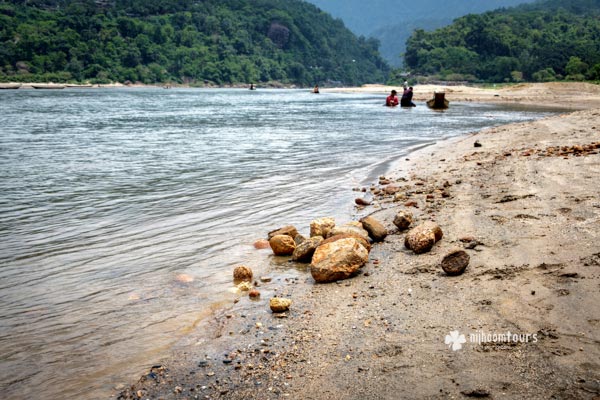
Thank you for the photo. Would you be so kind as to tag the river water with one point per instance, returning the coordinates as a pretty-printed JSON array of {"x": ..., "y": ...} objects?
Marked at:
[{"x": 108, "y": 196}]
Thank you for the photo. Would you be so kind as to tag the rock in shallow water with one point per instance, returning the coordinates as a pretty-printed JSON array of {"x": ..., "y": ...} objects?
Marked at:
[
  {"x": 242, "y": 273},
  {"x": 282, "y": 245},
  {"x": 305, "y": 250},
  {"x": 289, "y": 230}
]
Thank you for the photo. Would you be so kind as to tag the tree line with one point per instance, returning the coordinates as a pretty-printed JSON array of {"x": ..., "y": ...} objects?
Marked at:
[
  {"x": 544, "y": 41},
  {"x": 185, "y": 41}
]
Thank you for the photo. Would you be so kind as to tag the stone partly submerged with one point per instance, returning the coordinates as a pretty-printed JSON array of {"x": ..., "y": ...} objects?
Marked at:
[
  {"x": 288, "y": 230},
  {"x": 305, "y": 250},
  {"x": 338, "y": 260},
  {"x": 242, "y": 273},
  {"x": 422, "y": 238},
  {"x": 282, "y": 245}
]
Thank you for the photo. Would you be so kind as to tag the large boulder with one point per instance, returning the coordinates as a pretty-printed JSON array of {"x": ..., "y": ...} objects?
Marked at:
[
  {"x": 282, "y": 245},
  {"x": 376, "y": 230},
  {"x": 305, "y": 250},
  {"x": 403, "y": 220},
  {"x": 338, "y": 260},
  {"x": 321, "y": 226},
  {"x": 422, "y": 238},
  {"x": 289, "y": 230}
]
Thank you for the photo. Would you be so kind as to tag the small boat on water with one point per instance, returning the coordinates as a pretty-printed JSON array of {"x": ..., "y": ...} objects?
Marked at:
[
  {"x": 6, "y": 86},
  {"x": 438, "y": 102},
  {"x": 79, "y": 86},
  {"x": 48, "y": 86}
]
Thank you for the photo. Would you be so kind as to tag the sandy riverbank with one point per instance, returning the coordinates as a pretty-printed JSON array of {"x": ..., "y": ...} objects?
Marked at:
[{"x": 534, "y": 220}]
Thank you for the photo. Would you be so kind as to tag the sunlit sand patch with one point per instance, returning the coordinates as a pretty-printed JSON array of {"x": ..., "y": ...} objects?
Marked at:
[{"x": 133, "y": 297}]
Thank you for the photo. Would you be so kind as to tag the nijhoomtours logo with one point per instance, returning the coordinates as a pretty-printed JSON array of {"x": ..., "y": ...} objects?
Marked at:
[{"x": 455, "y": 339}]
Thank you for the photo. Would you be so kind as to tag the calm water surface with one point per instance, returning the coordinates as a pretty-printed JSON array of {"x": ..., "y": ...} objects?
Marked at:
[{"x": 107, "y": 195}]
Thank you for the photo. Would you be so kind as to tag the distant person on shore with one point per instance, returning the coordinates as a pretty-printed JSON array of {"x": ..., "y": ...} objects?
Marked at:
[
  {"x": 405, "y": 85},
  {"x": 407, "y": 96},
  {"x": 252, "y": 86},
  {"x": 392, "y": 99},
  {"x": 316, "y": 89}
]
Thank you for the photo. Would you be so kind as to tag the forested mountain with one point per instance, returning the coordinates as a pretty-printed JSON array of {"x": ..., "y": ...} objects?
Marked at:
[
  {"x": 393, "y": 21},
  {"x": 216, "y": 41},
  {"x": 547, "y": 40}
]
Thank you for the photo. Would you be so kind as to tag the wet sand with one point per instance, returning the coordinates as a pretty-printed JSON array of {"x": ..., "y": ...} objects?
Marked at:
[{"x": 525, "y": 205}]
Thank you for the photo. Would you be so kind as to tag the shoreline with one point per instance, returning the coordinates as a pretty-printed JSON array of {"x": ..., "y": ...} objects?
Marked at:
[{"x": 386, "y": 326}]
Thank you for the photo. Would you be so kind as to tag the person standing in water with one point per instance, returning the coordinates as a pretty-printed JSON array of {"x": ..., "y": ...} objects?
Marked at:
[
  {"x": 407, "y": 98},
  {"x": 392, "y": 99},
  {"x": 316, "y": 89}
]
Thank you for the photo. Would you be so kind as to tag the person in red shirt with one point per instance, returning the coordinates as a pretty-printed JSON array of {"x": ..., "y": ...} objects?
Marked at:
[{"x": 392, "y": 100}]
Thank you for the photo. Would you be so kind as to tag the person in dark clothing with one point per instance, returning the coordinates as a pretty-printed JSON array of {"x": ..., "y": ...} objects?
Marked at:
[{"x": 407, "y": 96}]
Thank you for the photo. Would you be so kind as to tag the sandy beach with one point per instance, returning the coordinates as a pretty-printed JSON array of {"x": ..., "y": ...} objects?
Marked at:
[{"x": 522, "y": 321}]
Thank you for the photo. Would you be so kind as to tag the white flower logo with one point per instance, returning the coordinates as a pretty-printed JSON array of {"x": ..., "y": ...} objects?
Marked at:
[{"x": 456, "y": 340}]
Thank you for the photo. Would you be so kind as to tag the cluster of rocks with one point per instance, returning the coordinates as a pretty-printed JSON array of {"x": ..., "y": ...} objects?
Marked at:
[
  {"x": 333, "y": 252},
  {"x": 561, "y": 151},
  {"x": 336, "y": 252},
  {"x": 402, "y": 191},
  {"x": 565, "y": 151}
]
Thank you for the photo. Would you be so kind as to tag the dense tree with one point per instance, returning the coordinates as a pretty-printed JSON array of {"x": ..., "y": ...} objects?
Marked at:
[
  {"x": 543, "y": 41},
  {"x": 217, "y": 41}
]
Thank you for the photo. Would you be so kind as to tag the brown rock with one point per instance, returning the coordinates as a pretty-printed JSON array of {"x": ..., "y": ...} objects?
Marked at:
[
  {"x": 422, "y": 238},
  {"x": 289, "y": 230},
  {"x": 282, "y": 245},
  {"x": 279, "y": 304},
  {"x": 403, "y": 220},
  {"x": 349, "y": 230},
  {"x": 299, "y": 239},
  {"x": 375, "y": 228},
  {"x": 362, "y": 202},
  {"x": 455, "y": 262},
  {"x": 363, "y": 242},
  {"x": 305, "y": 250},
  {"x": 321, "y": 226},
  {"x": 338, "y": 260},
  {"x": 411, "y": 204},
  {"x": 391, "y": 189},
  {"x": 242, "y": 273},
  {"x": 254, "y": 294}
]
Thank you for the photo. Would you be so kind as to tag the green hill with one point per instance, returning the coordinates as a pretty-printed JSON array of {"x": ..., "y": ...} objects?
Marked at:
[
  {"x": 543, "y": 41},
  {"x": 209, "y": 41}
]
